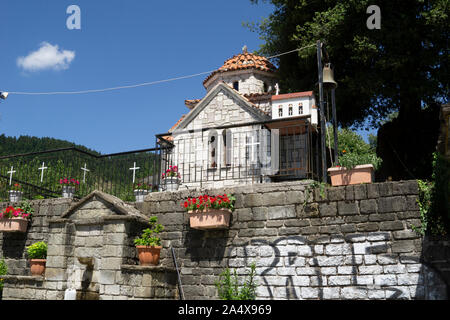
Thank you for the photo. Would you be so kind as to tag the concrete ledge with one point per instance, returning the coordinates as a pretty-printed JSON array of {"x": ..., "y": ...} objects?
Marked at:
[
  {"x": 137, "y": 268},
  {"x": 22, "y": 279}
]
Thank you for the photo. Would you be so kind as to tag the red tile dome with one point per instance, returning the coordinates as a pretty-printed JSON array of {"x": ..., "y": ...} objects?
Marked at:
[{"x": 244, "y": 61}]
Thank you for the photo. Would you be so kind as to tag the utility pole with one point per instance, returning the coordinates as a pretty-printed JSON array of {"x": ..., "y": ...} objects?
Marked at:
[{"x": 321, "y": 112}]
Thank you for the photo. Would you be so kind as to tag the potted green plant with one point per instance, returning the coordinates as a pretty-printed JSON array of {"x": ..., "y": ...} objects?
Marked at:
[
  {"x": 209, "y": 212},
  {"x": 141, "y": 189},
  {"x": 15, "y": 219},
  {"x": 148, "y": 244},
  {"x": 15, "y": 193},
  {"x": 37, "y": 253},
  {"x": 357, "y": 160}
]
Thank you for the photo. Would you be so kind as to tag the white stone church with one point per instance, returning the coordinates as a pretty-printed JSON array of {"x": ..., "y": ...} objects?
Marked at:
[{"x": 243, "y": 131}]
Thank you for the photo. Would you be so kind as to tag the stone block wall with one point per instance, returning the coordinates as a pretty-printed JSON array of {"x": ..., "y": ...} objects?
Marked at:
[
  {"x": 13, "y": 245},
  {"x": 353, "y": 242},
  {"x": 91, "y": 250}
]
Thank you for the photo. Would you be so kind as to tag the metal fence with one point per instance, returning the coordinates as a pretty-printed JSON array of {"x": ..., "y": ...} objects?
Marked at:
[
  {"x": 39, "y": 174},
  {"x": 253, "y": 152}
]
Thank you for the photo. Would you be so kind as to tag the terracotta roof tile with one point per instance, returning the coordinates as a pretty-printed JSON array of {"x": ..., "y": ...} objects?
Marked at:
[
  {"x": 191, "y": 103},
  {"x": 244, "y": 61},
  {"x": 292, "y": 95}
]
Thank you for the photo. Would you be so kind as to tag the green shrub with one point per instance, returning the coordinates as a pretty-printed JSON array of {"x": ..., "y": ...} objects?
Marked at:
[
  {"x": 229, "y": 288},
  {"x": 353, "y": 150},
  {"x": 433, "y": 199},
  {"x": 148, "y": 237},
  {"x": 37, "y": 250},
  {"x": 3, "y": 271}
]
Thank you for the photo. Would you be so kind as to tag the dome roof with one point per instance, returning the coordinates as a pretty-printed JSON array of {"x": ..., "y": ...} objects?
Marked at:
[{"x": 243, "y": 61}]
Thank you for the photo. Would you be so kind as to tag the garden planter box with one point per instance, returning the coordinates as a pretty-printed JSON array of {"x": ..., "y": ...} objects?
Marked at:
[
  {"x": 15, "y": 196},
  {"x": 148, "y": 255},
  {"x": 68, "y": 192},
  {"x": 13, "y": 225},
  {"x": 37, "y": 266},
  {"x": 210, "y": 219},
  {"x": 341, "y": 176},
  {"x": 171, "y": 183},
  {"x": 139, "y": 194}
]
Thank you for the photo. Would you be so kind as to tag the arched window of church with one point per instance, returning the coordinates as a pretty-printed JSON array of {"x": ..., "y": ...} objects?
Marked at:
[
  {"x": 266, "y": 87},
  {"x": 226, "y": 147},
  {"x": 236, "y": 85},
  {"x": 212, "y": 149},
  {"x": 290, "y": 110},
  {"x": 300, "y": 108},
  {"x": 280, "y": 111}
]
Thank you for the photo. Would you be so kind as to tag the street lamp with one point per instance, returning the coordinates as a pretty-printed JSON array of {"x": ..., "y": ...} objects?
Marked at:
[{"x": 4, "y": 95}]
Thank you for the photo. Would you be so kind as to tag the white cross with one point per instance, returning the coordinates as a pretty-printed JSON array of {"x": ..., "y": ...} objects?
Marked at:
[
  {"x": 84, "y": 173},
  {"x": 134, "y": 171},
  {"x": 252, "y": 145},
  {"x": 11, "y": 174},
  {"x": 42, "y": 170}
]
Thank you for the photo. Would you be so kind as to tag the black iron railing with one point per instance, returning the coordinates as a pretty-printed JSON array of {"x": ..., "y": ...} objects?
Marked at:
[
  {"x": 254, "y": 152},
  {"x": 39, "y": 173}
]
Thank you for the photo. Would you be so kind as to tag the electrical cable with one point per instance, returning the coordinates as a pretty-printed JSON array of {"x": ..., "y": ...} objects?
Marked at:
[{"x": 139, "y": 84}]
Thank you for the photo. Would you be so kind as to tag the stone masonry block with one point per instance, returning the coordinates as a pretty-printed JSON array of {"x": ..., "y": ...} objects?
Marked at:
[
  {"x": 391, "y": 204},
  {"x": 368, "y": 206},
  {"x": 391, "y": 225},
  {"x": 347, "y": 208},
  {"x": 327, "y": 209},
  {"x": 336, "y": 193}
]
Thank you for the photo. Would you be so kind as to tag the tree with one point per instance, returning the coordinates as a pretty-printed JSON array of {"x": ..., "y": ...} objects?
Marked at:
[{"x": 401, "y": 67}]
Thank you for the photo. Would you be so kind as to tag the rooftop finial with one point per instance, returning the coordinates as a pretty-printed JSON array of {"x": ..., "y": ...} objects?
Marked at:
[{"x": 244, "y": 48}]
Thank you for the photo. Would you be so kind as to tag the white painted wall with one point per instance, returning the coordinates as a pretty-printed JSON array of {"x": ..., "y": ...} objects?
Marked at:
[{"x": 307, "y": 102}]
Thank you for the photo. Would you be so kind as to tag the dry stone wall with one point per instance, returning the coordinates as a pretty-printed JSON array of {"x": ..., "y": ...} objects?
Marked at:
[{"x": 353, "y": 242}]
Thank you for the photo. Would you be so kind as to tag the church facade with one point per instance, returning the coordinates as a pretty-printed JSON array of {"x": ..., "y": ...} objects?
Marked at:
[{"x": 243, "y": 131}]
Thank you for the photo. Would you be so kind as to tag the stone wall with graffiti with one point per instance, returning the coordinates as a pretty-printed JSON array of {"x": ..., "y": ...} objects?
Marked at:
[{"x": 353, "y": 242}]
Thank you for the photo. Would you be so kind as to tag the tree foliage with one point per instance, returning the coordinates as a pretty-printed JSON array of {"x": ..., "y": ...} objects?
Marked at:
[
  {"x": 399, "y": 67},
  {"x": 27, "y": 144}
]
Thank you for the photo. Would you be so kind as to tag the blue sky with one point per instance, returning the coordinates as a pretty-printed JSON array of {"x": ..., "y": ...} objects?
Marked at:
[{"x": 120, "y": 43}]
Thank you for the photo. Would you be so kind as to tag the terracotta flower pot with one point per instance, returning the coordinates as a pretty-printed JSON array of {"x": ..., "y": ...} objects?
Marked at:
[
  {"x": 341, "y": 176},
  {"x": 13, "y": 225},
  {"x": 37, "y": 266},
  {"x": 148, "y": 255},
  {"x": 210, "y": 219}
]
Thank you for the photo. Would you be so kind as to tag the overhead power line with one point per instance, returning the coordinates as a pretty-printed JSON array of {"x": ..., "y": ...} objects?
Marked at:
[{"x": 139, "y": 84}]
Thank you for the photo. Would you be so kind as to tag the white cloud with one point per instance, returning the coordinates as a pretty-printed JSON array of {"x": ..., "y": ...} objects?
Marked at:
[{"x": 46, "y": 57}]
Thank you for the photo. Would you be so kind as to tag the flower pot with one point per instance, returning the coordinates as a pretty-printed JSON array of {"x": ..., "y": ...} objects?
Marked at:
[
  {"x": 15, "y": 195},
  {"x": 68, "y": 191},
  {"x": 13, "y": 224},
  {"x": 210, "y": 219},
  {"x": 37, "y": 266},
  {"x": 140, "y": 194},
  {"x": 341, "y": 176},
  {"x": 171, "y": 183},
  {"x": 148, "y": 255}
]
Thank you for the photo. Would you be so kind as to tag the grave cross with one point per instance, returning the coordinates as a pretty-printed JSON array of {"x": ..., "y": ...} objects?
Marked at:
[
  {"x": 134, "y": 171},
  {"x": 84, "y": 172},
  {"x": 42, "y": 170},
  {"x": 11, "y": 174}
]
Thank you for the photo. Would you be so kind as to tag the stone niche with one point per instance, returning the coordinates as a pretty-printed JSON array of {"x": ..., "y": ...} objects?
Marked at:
[{"x": 91, "y": 250}]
